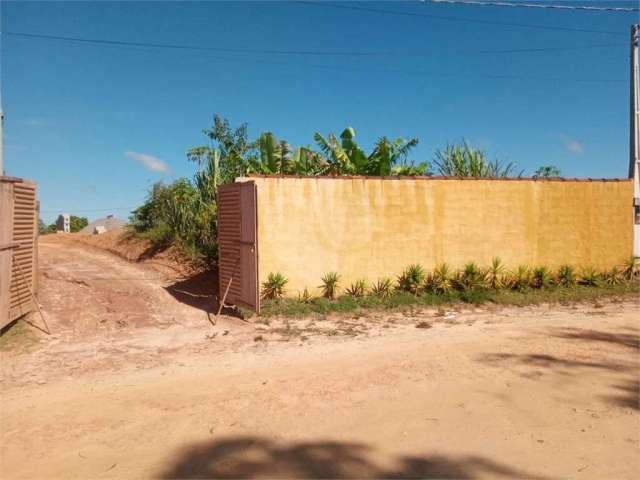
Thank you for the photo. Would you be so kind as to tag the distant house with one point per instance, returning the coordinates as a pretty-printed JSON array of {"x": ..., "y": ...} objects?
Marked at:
[
  {"x": 103, "y": 225},
  {"x": 63, "y": 224}
]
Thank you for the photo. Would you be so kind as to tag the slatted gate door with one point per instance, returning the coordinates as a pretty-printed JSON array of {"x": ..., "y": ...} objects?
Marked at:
[
  {"x": 18, "y": 248},
  {"x": 237, "y": 244}
]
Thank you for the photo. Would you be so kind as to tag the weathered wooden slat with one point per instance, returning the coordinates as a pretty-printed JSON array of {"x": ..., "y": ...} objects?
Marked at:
[{"x": 21, "y": 278}]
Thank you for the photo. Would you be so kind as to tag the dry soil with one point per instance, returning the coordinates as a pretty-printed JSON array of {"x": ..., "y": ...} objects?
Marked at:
[{"x": 137, "y": 382}]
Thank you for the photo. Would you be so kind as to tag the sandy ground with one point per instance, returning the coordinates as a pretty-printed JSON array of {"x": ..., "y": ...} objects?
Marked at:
[{"x": 136, "y": 382}]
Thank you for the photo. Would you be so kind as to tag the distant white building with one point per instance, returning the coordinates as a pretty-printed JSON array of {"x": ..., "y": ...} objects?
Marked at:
[
  {"x": 103, "y": 225},
  {"x": 63, "y": 224}
]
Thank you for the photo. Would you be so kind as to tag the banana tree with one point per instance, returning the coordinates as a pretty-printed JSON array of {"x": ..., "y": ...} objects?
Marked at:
[
  {"x": 388, "y": 156},
  {"x": 305, "y": 161},
  {"x": 274, "y": 157},
  {"x": 344, "y": 157}
]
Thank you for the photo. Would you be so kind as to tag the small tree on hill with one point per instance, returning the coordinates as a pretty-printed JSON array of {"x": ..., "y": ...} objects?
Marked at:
[{"x": 77, "y": 223}]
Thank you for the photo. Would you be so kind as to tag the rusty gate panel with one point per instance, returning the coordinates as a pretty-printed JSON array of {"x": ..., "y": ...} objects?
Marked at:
[
  {"x": 237, "y": 244},
  {"x": 19, "y": 245}
]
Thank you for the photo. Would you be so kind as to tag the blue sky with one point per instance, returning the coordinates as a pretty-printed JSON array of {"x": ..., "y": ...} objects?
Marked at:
[{"x": 95, "y": 126}]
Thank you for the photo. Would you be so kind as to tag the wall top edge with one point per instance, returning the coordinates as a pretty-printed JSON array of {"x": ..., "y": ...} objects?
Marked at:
[{"x": 435, "y": 178}]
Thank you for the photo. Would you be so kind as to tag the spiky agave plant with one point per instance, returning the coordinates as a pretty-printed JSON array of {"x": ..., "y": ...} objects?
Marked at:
[
  {"x": 566, "y": 276},
  {"x": 615, "y": 276},
  {"x": 589, "y": 277},
  {"x": 382, "y": 287},
  {"x": 519, "y": 278},
  {"x": 357, "y": 288},
  {"x": 411, "y": 279},
  {"x": 469, "y": 278},
  {"x": 329, "y": 285},
  {"x": 305, "y": 296},
  {"x": 273, "y": 288},
  {"x": 631, "y": 269},
  {"x": 541, "y": 277},
  {"x": 441, "y": 279},
  {"x": 494, "y": 275},
  {"x": 429, "y": 283}
]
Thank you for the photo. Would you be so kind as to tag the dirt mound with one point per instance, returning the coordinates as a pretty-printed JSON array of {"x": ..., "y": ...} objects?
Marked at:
[{"x": 122, "y": 242}]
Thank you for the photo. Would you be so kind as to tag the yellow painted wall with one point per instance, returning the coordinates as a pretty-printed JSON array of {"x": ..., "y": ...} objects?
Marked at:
[{"x": 370, "y": 228}]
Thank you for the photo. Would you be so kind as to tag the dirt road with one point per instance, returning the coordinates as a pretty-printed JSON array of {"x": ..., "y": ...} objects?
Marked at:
[{"x": 514, "y": 393}]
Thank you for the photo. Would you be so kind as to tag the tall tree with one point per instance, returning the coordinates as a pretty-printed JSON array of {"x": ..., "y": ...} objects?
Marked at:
[{"x": 233, "y": 145}]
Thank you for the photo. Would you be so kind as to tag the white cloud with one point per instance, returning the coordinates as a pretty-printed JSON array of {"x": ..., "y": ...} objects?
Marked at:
[
  {"x": 572, "y": 145},
  {"x": 151, "y": 163}
]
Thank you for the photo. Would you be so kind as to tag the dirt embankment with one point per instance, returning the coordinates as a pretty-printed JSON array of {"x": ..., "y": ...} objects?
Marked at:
[{"x": 123, "y": 243}]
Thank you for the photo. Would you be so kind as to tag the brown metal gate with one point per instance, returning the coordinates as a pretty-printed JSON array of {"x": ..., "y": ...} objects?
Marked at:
[
  {"x": 237, "y": 244},
  {"x": 18, "y": 249}
]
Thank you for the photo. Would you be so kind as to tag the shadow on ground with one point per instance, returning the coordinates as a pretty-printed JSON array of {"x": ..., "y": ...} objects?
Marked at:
[
  {"x": 626, "y": 390},
  {"x": 200, "y": 291},
  {"x": 629, "y": 340},
  {"x": 251, "y": 457}
]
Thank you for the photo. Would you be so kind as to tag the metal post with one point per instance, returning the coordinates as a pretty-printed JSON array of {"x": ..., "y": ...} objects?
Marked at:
[{"x": 634, "y": 137}]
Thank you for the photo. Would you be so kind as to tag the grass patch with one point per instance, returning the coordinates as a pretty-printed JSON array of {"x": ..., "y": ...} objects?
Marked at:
[{"x": 398, "y": 300}]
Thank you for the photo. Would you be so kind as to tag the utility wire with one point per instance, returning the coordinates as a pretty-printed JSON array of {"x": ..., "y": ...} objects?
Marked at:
[
  {"x": 453, "y": 75},
  {"x": 96, "y": 41},
  {"x": 535, "y": 5},
  {"x": 454, "y": 19},
  {"x": 189, "y": 47}
]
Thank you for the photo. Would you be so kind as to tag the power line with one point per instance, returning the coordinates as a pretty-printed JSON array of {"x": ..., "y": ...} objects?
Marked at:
[
  {"x": 189, "y": 47},
  {"x": 535, "y": 5},
  {"x": 120, "y": 43},
  {"x": 349, "y": 68},
  {"x": 454, "y": 19}
]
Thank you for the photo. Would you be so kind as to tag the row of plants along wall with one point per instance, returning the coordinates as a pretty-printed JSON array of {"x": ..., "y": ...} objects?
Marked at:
[{"x": 471, "y": 284}]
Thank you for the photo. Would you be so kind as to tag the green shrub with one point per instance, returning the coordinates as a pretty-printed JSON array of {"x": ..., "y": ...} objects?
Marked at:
[
  {"x": 357, "y": 288},
  {"x": 305, "y": 296},
  {"x": 631, "y": 269},
  {"x": 589, "y": 277},
  {"x": 494, "y": 275},
  {"x": 469, "y": 278},
  {"x": 541, "y": 277},
  {"x": 329, "y": 285},
  {"x": 519, "y": 279},
  {"x": 411, "y": 279},
  {"x": 439, "y": 282},
  {"x": 615, "y": 276},
  {"x": 77, "y": 223},
  {"x": 382, "y": 287},
  {"x": 182, "y": 212},
  {"x": 273, "y": 288},
  {"x": 566, "y": 276}
]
